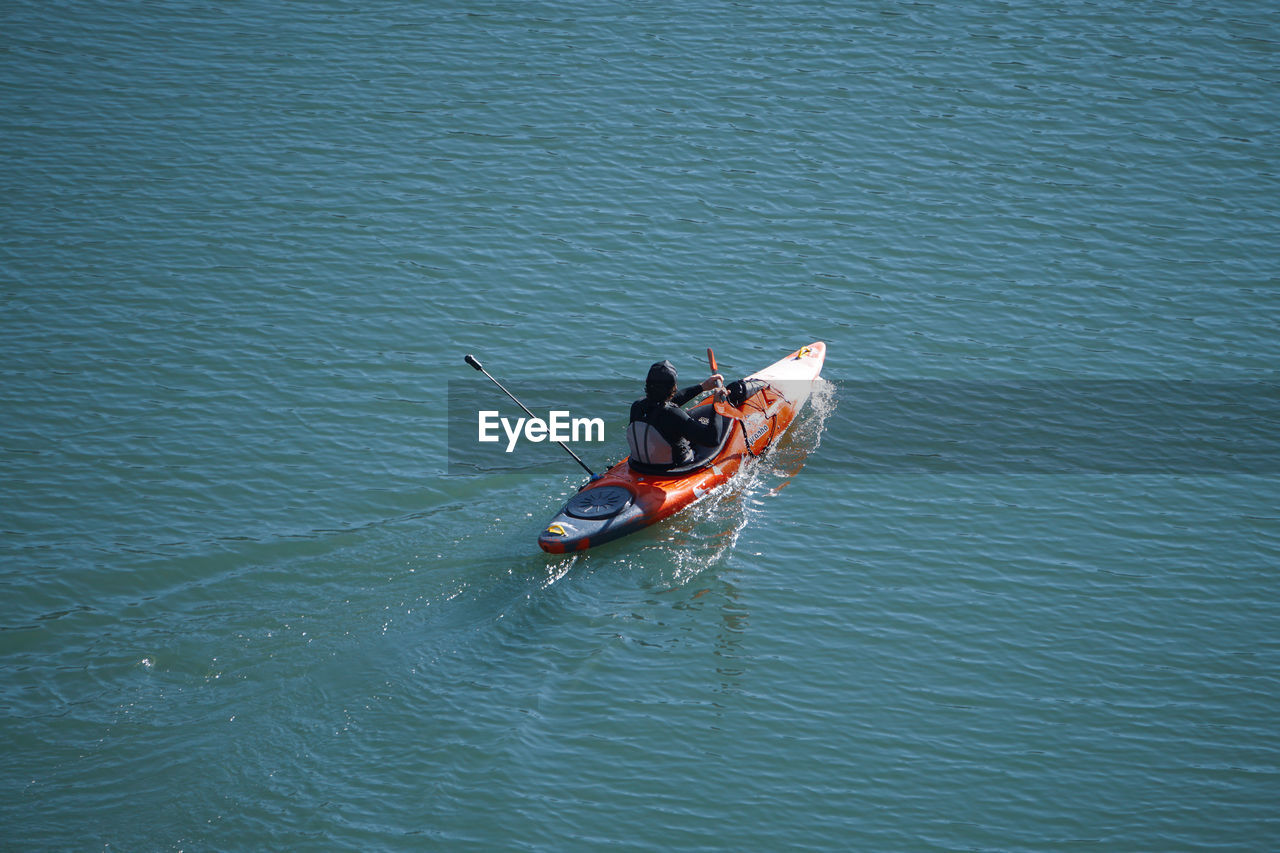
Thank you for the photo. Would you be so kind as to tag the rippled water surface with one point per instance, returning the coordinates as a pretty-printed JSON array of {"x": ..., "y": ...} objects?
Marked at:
[{"x": 246, "y": 606}]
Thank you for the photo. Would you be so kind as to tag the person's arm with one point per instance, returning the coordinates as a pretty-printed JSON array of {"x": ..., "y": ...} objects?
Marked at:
[
  {"x": 693, "y": 429},
  {"x": 684, "y": 395}
]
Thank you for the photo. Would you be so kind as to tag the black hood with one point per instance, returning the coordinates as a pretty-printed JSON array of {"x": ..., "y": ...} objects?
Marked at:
[{"x": 661, "y": 379}]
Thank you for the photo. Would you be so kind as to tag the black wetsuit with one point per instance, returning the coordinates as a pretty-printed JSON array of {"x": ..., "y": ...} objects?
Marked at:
[{"x": 675, "y": 424}]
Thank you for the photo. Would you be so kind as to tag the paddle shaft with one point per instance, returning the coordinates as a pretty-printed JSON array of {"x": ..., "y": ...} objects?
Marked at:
[
  {"x": 711, "y": 358},
  {"x": 471, "y": 360}
]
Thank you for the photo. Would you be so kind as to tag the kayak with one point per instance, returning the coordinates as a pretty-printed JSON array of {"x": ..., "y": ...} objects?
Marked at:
[{"x": 628, "y": 498}]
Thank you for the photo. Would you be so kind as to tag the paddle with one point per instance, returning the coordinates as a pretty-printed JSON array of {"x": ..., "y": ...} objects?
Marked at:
[
  {"x": 471, "y": 360},
  {"x": 711, "y": 357}
]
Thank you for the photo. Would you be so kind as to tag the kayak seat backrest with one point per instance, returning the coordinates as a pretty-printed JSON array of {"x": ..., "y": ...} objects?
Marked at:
[
  {"x": 647, "y": 444},
  {"x": 703, "y": 454}
]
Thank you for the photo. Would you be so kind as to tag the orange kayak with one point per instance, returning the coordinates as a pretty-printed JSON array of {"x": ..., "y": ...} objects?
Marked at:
[{"x": 624, "y": 500}]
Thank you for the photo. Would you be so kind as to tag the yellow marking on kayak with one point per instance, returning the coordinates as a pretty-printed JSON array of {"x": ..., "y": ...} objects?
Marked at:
[
  {"x": 557, "y": 529},
  {"x": 802, "y": 352}
]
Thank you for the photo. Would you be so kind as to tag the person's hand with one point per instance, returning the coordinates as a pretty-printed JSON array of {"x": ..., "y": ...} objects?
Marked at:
[{"x": 712, "y": 381}]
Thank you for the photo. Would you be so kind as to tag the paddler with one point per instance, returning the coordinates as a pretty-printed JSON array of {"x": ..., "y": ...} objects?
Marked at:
[{"x": 661, "y": 434}]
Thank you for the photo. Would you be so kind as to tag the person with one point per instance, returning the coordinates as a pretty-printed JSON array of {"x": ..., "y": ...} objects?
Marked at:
[{"x": 661, "y": 434}]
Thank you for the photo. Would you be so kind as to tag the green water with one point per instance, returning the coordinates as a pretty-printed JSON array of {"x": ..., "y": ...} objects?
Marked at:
[{"x": 244, "y": 605}]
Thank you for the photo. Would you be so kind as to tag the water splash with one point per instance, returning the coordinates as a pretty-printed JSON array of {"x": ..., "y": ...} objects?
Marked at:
[{"x": 555, "y": 569}]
